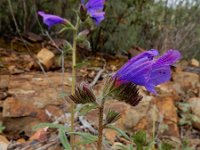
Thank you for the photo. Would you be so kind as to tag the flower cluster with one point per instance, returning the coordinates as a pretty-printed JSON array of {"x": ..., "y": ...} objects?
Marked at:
[
  {"x": 146, "y": 71},
  {"x": 94, "y": 9}
]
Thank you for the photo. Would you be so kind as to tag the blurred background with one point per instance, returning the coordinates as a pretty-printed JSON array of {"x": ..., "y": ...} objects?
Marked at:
[{"x": 158, "y": 24}]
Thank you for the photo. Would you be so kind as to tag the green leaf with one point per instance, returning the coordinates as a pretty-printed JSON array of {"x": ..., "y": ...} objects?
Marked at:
[
  {"x": 63, "y": 94},
  {"x": 140, "y": 139},
  {"x": 150, "y": 145},
  {"x": 83, "y": 41},
  {"x": 120, "y": 146},
  {"x": 111, "y": 117},
  {"x": 184, "y": 120},
  {"x": 50, "y": 125},
  {"x": 195, "y": 118},
  {"x": 85, "y": 108},
  {"x": 81, "y": 38},
  {"x": 121, "y": 132},
  {"x": 185, "y": 145},
  {"x": 62, "y": 129},
  {"x": 67, "y": 26},
  {"x": 67, "y": 47},
  {"x": 79, "y": 65},
  {"x": 64, "y": 139},
  {"x": 185, "y": 107},
  {"x": 87, "y": 138},
  {"x": 130, "y": 146},
  {"x": 1, "y": 127},
  {"x": 63, "y": 29},
  {"x": 166, "y": 146}
]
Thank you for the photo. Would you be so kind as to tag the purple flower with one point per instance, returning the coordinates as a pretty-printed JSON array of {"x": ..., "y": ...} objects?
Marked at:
[
  {"x": 51, "y": 20},
  {"x": 95, "y": 10},
  {"x": 144, "y": 70}
]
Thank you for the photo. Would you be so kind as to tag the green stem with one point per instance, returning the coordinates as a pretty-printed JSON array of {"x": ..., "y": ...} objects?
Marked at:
[{"x": 72, "y": 140}]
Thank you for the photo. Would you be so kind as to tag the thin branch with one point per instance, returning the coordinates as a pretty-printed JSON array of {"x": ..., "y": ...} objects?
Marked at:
[{"x": 97, "y": 77}]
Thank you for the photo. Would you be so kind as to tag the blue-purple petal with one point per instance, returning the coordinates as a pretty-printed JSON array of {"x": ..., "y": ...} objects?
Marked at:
[
  {"x": 51, "y": 20},
  {"x": 145, "y": 56},
  {"x": 148, "y": 55},
  {"x": 95, "y": 5},
  {"x": 83, "y": 2},
  {"x": 97, "y": 17},
  {"x": 169, "y": 58},
  {"x": 146, "y": 71},
  {"x": 157, "y": 76},
  {"x": 139, "y": 76},
  {"x": 138, "y": 62},
  {"x": 95, "y": 10}
]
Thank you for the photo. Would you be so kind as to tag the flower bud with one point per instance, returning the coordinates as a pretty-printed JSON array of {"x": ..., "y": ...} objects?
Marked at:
[{"x": 83, "y": 94}]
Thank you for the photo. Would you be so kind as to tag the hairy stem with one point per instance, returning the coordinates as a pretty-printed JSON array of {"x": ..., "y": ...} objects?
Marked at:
[
  {"x": 73, "y": 81},
  {"x": 100, "y": 130},
  {"x": 101, "y": 126}
]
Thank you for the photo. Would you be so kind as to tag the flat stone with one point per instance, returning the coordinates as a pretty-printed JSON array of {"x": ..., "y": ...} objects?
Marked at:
[
  {"x": 33, "y": 93},
  {"x": 46, "y": 57},
  {"x": 167, "y": 114},
  {"x": 194, "y": 62},
  {"x": 33, "y": 37},
  {"x": 16, "y": 125},
  {"x": 186, "y": 80},
  {"x": 110, "y": 135},
  {"x": 3, "y": 143},
  {"x": 3, "y": 95},
  {"x": 4, "y": 81},
  {"x": 195, "y": 105}
]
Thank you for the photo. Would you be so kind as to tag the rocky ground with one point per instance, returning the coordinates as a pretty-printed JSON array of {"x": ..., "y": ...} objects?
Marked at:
[{"x": 29, "y": 96}]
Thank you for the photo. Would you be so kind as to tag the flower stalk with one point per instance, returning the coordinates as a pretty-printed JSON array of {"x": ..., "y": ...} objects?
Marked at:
[
  {"x": 100, "y": 125},
  {"x": 72, "y": 140}
]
